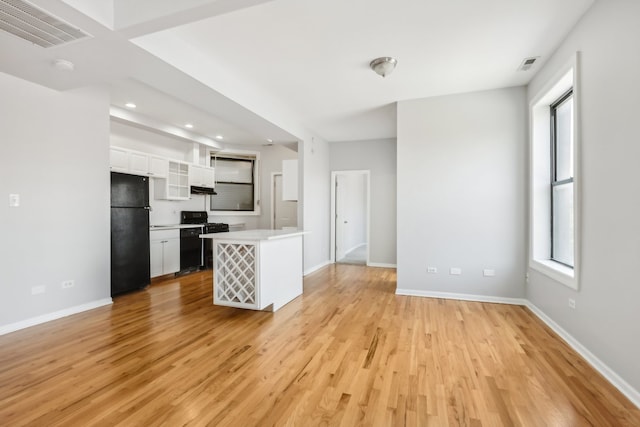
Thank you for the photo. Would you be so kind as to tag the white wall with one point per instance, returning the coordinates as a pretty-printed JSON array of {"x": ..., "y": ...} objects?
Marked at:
[
  {"x": 606, "y": 319},
  {"x": 55, "y": 154},
  {"x": 461, "y": 193},
  {"x": 315, "y": 203},
  {"x": 379, "y": 157}
]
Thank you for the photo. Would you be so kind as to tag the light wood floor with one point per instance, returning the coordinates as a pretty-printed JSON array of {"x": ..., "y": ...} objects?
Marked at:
[{"x": 348, "y": 352}]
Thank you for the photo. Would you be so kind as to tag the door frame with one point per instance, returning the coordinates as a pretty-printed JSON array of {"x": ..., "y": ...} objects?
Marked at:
[
  {"x": 273, "y": 198},
  {"x": 367, "y": 175}
]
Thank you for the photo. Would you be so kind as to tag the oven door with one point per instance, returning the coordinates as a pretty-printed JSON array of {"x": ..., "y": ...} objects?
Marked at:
[{"x": 190, "y": 248}]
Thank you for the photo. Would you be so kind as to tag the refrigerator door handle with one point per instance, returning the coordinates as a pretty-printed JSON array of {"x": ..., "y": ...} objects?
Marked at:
[{"x": 148, "y": 208}]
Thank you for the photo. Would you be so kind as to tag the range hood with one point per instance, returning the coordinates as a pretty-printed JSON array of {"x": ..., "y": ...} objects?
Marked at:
[{"x": 202, "y": 190}]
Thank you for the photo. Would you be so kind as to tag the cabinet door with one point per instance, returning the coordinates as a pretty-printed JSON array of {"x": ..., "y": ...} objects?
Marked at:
[
  {"x": 119, "y": 160},
  {"x": 156, "y": 257},
  {"x": 171, "y": 255},
  {"x": 195, "y": 175},
  {"x": 158, "y": 167},
  {"x": 208, "y": 177},
  {"x": 138, "y": 163}
]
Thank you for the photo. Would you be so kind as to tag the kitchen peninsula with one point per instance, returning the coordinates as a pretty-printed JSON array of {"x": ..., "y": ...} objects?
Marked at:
[{"x": 256, "y": 269}]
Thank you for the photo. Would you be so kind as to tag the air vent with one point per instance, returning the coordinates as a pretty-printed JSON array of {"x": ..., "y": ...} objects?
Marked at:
[
  {"x": 527, "y": 63},
  {"x": 36, "y": 26}
]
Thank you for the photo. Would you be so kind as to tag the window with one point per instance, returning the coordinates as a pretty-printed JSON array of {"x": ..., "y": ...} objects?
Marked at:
[
  {"x": 555, "y": 178},
  {"x": 235, "y": 184},
  {"x": 562, "y": 228}
]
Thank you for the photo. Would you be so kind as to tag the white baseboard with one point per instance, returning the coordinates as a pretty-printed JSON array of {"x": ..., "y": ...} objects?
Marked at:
[
  {"x": 462, "y": 297},
  {"x": 12, "y": 327},
  {"x": 624, "y": 387},
  {"x": 381, "y": 265},
  {"x": 317, "y": 267}
]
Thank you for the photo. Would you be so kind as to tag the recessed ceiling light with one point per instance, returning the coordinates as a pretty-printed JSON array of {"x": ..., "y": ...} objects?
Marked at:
[
  {"x": 130, "y": 105},
  {"x": 219, "y": 137},
  {"x": 189, "y": 126},
  {"x": 63, "y": 65},
  {"x": 269, "y": 140}
]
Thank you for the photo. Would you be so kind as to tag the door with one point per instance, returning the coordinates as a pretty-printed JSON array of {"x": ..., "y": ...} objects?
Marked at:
[
  {"x": 285, "y": 212},
  {"x": 341, "y": 219}
]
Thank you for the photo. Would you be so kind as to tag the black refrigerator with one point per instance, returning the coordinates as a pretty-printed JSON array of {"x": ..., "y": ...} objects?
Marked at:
[{"x": 129, "y": 232}]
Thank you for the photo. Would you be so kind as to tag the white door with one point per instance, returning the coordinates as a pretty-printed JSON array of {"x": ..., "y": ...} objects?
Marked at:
[
  {"x": 285, "y": 212},
  {"x": 341, "y": 220}
]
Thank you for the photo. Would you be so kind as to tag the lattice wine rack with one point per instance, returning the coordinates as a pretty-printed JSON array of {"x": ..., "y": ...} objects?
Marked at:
[{"x": 236, "y": 274}]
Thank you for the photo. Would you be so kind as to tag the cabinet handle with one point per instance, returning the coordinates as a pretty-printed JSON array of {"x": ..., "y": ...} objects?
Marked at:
[{"x": 150, "y": 173}]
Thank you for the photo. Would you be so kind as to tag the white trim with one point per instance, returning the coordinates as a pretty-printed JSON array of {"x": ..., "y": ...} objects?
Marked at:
[
  {"x": 462, "y": 297},
  {"x": 12, "y": 327},
  {"x": 317, "y": 267},
  {"x": 367, "y": 174},
  {"x": 273, "y": 198},
  {"x": 567, "y": 76},
  {"x": 610, "y": 375},
  {"x": 381, "y": 265}
]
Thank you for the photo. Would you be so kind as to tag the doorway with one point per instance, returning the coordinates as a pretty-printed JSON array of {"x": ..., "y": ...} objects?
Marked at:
[
  {"x": 350, "y": 217},
  {"x": 284, "y": 213}
]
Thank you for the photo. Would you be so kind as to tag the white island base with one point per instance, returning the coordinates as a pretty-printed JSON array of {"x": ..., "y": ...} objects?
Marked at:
[{"x": 256, "y": 269}]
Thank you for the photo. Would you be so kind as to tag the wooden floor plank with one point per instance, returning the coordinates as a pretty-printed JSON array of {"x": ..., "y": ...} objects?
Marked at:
[{"x": 347, "y": 352}]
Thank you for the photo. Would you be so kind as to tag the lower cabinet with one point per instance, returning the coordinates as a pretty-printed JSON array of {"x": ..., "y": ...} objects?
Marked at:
[{"x": 165, "y": 252}]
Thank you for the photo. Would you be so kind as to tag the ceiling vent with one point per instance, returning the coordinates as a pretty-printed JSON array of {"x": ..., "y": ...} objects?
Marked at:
[
  {"x": 36, "y": 26},
  {"x": 527, "y": 63}
]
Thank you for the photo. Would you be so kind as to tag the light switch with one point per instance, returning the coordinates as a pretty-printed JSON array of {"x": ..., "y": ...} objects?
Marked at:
[
  {"x": 455, "y": 271},
  {"x": 14, "y": 200}
]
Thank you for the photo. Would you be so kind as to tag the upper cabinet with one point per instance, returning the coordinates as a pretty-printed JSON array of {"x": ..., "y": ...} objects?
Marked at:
[
  {"x": 290, "y": 180},
  {"x": 137, "y": 163},
  {"x": 202, "y": 176}
]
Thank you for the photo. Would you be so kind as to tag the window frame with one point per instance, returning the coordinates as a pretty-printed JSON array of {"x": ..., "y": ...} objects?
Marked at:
[
  {"x": 540, "y": 174},
  {"x": 239, "y": 155},
  {"x": 554, "y": 182}
]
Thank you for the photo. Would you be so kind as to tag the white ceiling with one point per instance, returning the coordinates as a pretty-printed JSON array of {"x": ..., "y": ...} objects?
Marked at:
[{"x": 299, "y": 60}]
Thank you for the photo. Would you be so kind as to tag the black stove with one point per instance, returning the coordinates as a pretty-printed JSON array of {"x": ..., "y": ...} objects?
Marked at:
[{"x": 202, "y": 218}]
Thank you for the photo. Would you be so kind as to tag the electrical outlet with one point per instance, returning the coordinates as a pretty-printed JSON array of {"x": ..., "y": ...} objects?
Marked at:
[
  {"x": 432, "y": 270},
  {"x": 488, "y": 272},
  {"x": 68, "y": 284},
  {"x": 572, "y": 303},
  {"x": 14, "y": 200},
  {"x": 35, "y": 290},
  {"x": 526, "y": 277},
  {"x": 455, "y": 271}
]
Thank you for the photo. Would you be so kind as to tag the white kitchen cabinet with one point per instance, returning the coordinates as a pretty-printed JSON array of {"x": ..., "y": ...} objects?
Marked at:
[
  {"x": 158, "y": 167},
  {"x": 119, "y": 160},
  {"x": 290, "y": 180},
  {"x": 165, "y": 252},
  {"x": 202, "y": 176},
  {"x": 176, "y": 185},
  {"x": 138, "y": 163}
]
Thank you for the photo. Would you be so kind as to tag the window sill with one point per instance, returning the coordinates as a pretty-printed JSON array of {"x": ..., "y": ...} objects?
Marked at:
[{"x": 556, "y": 271}]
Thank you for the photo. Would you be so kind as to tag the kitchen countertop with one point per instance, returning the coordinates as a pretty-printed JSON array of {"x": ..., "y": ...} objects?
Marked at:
[
  {"x": 255, "y": 235},
  {"x": 173, "y": 227}
]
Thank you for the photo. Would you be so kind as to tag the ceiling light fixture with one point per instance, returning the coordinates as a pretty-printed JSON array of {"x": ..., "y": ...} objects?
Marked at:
[
  {"x": 63, "y": 65},
  {"x": 269, "y": 140},
  {"x": 219, "y": 137},
  {"x": 130, "y": 105},
  {"x": 383, "y": 66},
  {"x": 188, "y": 126}
]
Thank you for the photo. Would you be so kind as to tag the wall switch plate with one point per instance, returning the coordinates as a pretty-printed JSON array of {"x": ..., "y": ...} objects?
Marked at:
[
  {"x": 68, "y": 284},
  {"x": 14, "y": 200},
  {"x": 432, "y": 270},
  {"x": 488, "y": 272},
  {"x": 572, "y": 303},
  {"x": 455, "y": 271},
  {"x": 35, "y": 290}
]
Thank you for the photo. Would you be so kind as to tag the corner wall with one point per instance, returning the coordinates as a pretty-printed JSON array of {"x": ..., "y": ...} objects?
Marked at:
[
  {"x": 605, "y": 320},
  {"x": 55, "y": 155},
  {"x": 461, "y": 194}
]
